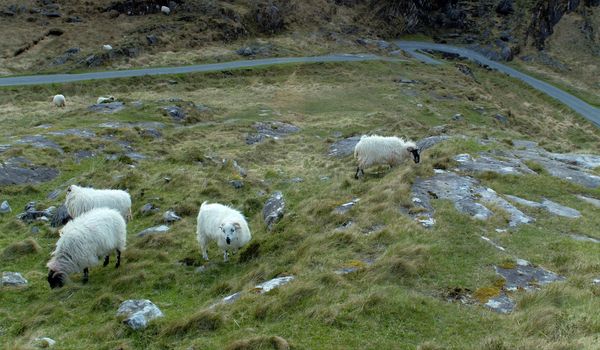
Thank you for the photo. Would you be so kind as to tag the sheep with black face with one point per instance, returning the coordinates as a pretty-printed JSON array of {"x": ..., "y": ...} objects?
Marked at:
[
  {"x": 93, "y": 234},
  {"x": 378, "y": 150},
  {"x": 223, "y": 224}
]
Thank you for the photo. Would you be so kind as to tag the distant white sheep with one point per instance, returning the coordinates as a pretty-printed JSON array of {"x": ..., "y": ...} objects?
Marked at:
[
  {"x": 94, "y": 234},
  {"x": 82, "y": 199},
  {"x": 377, "y": 150},
  {"x": 106, "y": 99},
  {"x": 223, "y": 224},
  {"x": 107, "y": 47},
  {"x": 165, "y": 10},
  {"x": 59, "y": 100}
]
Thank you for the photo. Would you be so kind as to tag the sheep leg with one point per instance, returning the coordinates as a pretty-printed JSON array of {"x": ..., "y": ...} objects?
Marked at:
[
  {"x": 359, "y": 171},
  {"x": 106, "y": 260},
  {"x": 203, "y": 249},
  {"x": 118, "y": 259},
  {"x": 225, "y": 256},
  {"x": 86, "y": 275}
]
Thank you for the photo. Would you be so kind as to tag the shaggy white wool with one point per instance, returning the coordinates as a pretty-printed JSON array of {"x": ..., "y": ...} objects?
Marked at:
[
  {"x": 82, "y": 199},
  {"x": 223, "y": 224}
]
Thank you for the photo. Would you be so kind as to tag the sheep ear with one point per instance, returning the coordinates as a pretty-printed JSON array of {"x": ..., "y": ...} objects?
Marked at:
[{"x": 237, "y": 226}]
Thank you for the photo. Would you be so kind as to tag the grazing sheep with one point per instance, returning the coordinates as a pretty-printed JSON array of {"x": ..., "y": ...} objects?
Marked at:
[
  {"x": 59, "y": 100},
  {"x": 376, "y": 150},
  {"x": 82, "y": 199},
  {"x": 84, "y": 239},
  {"x": 223, "y": 224},
  {"x": 165, "y": 10},
  {"x": 107, "y": 99}
]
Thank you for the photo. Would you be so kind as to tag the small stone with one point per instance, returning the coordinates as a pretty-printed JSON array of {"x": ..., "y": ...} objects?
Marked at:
[
  {"x": 149, "y": 208},
  {"x": 458, "y": 117},
  {"x": 44, "y": 342},
  {"x": 154, "y": 230},
  {"x": 34, "y": 230},
  {"x": 501, "y": 118},
  {"x": 152, "y": 39},
  {"x": 170, "y": 216},
  {"x": 138, "y": 313},
  {"x": 5, "y": 208},
  {"x": 237, "y": 184},
  {"x": 13, "y": 279},
  {"x": 107, "y": 108},
  {"x": 297, "y": 180},
  {"x": 176, "y": 113},
  {"x": 344, "y": 208},
  {"x": 272, "y": 284}
]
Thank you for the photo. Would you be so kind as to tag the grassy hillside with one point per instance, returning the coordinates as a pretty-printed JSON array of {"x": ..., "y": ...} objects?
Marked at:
[{"x": 398, "y": 298}]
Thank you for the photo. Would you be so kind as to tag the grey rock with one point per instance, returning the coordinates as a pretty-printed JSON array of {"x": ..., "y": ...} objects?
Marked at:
[
  {"x": 274, "y": 130},
  {"x": 501, "y": 118},
  {"x": 296, "y": 180},
  {"x": 502, "y": 304},
  {"x": 32, "y": 214},
  {"x": 34, "y": 230},
  {"x": 273, "y": 209},
  {"x": 596, "y": 281},
  {"x": 154, "y": 230},
  {"x": 526, "y": 276},
  {"x": 170, "y": 216},
  {"x": 149, "y": 208},
  {"x": 401, "y": 80},
  {"x": 74, "y": 19},
  {"x": 439, "y": 129},
  {"x": 485, "y": 163},
  {"x": 141, "y": 125},
  {"x": 343, "y": 148},
  {"x": 464, "y": 192},
  {"x": 66, "y": 56},
  {"x": 83, "y": 133},
  {"x": 4, "y": 148},
  {"x": 13, "y": 279},
  {"x": 44, "y": 342},
  {"x": 273, "y": 283},
  {"x": 344, "y": 208},
  {"x": 83, "y": 154},
  {"x": 253, "y": 50},
  {"x": 175, "y": 112},
  {"x": 152, "y": 39},
  {"x": 431, "y": 141},
  {"x": 5, "y": 208},
  {"x": 241, "y": 171},
  {"x": 39, "y": 141},
  {"x": 582, "y": 238},
  {"x": 524, "y": 144},
  {"x": 237, "y": 184},
  {"x": 138, "y": 313},
  {"x": 457, "y": 117},
  {"x": 60, "y": 217},
  {"x": 346, "y": 225},
  {"x": 593, "y": 201},
  {"x": 230, "y": 299},
  {"x": 108, "y": 108}
]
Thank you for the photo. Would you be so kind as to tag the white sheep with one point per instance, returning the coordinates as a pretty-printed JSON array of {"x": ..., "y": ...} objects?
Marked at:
[
  {"x": 223, "y": 224},
  {"x": 377, "y": 150},
  {"x": 106, "y": 99},
  {"x": 59, "y": 100},
  {"x": 94, "y": 234},
  {"x": 82, "y": 199},
  {"x": 165, "y": 10},
  {"x": 107, "y": 47}
]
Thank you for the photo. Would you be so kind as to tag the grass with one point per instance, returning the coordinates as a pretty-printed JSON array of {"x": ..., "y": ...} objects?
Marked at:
[{"x": 395, "y": 302}]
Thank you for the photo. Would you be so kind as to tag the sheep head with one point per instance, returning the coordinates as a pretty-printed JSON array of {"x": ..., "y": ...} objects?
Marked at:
[
  {"x": 56, "y": 279},
  {"x": 415, "y": 154},
  {"x": 230, "y": 230}
]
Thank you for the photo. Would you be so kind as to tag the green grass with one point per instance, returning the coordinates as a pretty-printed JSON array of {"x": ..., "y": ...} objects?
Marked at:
[{"x": 397, "y": 302}]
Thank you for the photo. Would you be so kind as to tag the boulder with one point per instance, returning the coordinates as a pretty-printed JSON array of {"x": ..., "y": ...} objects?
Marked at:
[
  {"x": 13, "y": 279},
  {"x": 273, "y": 209},
  {"x": 138, "y": 313}
]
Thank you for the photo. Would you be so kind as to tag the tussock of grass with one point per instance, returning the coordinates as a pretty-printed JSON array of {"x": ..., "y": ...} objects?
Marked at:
[
  {"x": 200, "y": 322},
  {"x": 22, "y": 248},
  {"x": 260, "y": 343}
]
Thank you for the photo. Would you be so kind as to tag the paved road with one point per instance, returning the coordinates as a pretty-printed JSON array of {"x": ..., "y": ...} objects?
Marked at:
[
  {"x": 66, "y": 78},
  {"x": 586, "y": 110}
]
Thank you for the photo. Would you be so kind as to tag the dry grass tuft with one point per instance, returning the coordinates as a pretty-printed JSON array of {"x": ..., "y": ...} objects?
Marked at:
[
  {"x": 260, "y": 343},
  {"x": 203, "y": 321},
  {"x": 19, "y": 249}
]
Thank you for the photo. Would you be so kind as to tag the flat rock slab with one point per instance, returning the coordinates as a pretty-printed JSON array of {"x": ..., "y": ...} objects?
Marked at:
[
  {"x": 83, "y": 133},
  {"x": 154, "y": 230},
  {"x": 549, "y": 206},
  {"x": 525, "y": 276},
  {"x": 39, "y": 141},
  {"x": 13, "y": 279},
  {"x": 272, "y": 284},
  {"x": 486, "y": 163},
  {"x": 582, "y": 238},
  {"x": 502, "y": 304},
  {"x": 593, "y": 201},
  {"x": 138, "y": 313},
  {"x": 274, "y": 130},
  {"x": 431, "y": 141},
  {"x": 124, "y": 125},
  {"x": 5, "y": 208},
  {"x": 465, "y": 192},
  {"x": 176, "y": 113},
  {"x": 273, "y": 209},
  {"x": 343, "y": 148},
  {"x": 4, "y": 148},
  {"x": 108, "y": 108},
  {"x": 16, "y": 171}
]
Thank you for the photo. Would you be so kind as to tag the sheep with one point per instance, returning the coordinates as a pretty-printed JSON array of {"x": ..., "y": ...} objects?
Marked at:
[
  {"x": 107, "y": 99},
  {"x": 107, "y": 47},
  {"x": 375, "y": 150},
  {"x": 82, "y": 199},
  {"x": 223, "y": 224},
  {"x": 165, "y": 10},
  {"x": 84, "y": 239},
  {"x": 59, "y": 100}
]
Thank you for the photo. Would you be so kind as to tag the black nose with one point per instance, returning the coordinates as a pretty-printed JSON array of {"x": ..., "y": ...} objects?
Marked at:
[{"x": 228, "y": 240}]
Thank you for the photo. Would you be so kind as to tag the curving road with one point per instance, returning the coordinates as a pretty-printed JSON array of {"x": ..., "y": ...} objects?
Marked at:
[
  {"x": 67, "y": 78},
  {"x": 413, "y": 47},
  {"x": 583, "y": 108}
]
